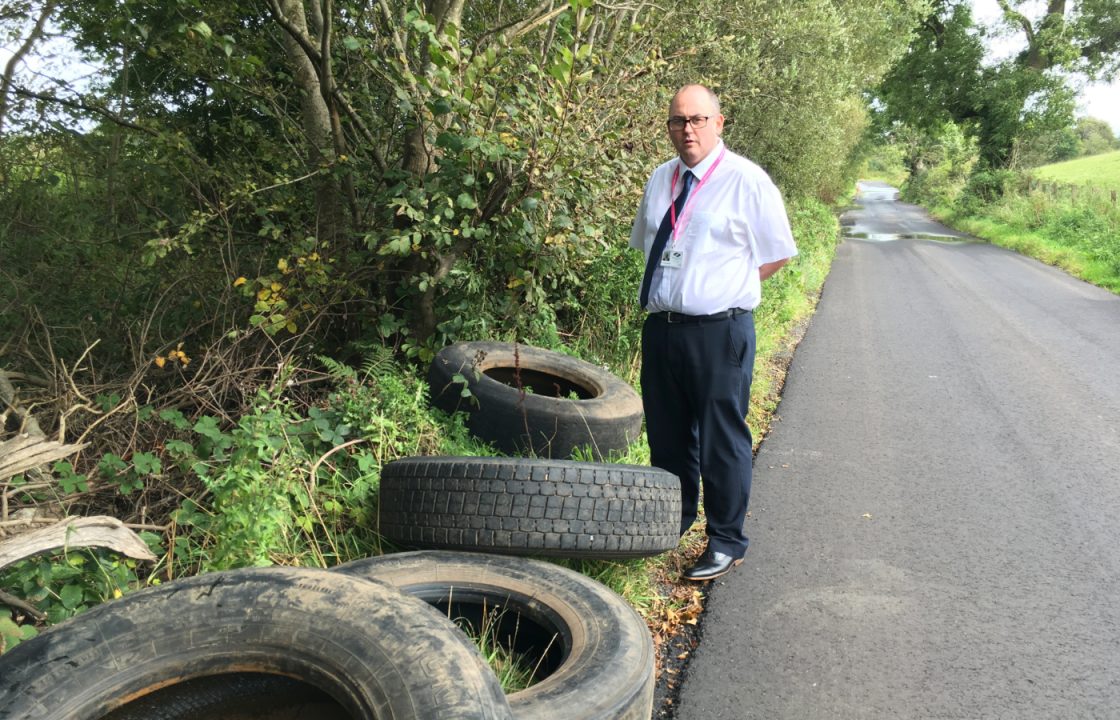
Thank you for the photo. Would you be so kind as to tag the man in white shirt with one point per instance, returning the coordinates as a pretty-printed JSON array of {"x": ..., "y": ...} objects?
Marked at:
[{"x": 712, "y": 226}]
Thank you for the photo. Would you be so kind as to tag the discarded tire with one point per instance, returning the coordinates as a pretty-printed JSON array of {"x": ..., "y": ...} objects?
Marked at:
[
  {"x": 524, "y": 399},
  {"x": 595, "y": 652},
  {"x": 238, "y": 696},
  {"x": 521, "y": 506},
  {"x": 376, "y": 652}
]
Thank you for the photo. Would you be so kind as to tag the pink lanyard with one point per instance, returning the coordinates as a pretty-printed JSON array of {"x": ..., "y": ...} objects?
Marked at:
[{"x": 692, "y": 195}]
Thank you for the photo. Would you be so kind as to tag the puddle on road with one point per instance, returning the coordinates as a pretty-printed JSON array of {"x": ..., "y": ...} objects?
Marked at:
[{"x": 890, "y": 237}]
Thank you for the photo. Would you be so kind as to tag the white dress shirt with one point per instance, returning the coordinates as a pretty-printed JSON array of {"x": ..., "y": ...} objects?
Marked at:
[{"x": 732, "y": 224}]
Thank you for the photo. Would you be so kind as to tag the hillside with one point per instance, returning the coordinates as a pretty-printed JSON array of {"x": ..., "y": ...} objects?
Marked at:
[{"x": 1097, "y": 170}]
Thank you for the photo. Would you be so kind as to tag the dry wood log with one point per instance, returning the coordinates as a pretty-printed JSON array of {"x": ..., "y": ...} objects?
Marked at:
[
  {"x": 95, "y": 531},
  {"x": 8, "y": 405},
  {"x": 27, "y": 452}
]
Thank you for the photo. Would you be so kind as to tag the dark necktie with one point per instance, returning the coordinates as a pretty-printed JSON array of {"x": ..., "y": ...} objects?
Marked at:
[{"x": 664, "y": 230}]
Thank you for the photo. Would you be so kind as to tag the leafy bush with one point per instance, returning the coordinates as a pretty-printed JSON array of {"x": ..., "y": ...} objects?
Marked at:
[
  {"x": 987, "y": 186},
  {"x": 940, "y": 165}
]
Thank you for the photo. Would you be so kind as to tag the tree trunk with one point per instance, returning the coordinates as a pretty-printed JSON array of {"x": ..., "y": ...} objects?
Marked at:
[{"x": 316, "y": 120}]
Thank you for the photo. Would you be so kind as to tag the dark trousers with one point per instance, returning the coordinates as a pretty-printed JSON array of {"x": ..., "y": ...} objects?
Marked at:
[{"x": 696, "y": 386}]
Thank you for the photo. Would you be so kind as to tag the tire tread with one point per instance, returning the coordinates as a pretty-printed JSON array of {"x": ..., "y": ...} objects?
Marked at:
[{"x": 537, "y": 507}]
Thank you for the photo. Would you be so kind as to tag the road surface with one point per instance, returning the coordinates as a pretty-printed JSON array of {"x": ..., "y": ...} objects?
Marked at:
[{"x": 935, "y": 517}]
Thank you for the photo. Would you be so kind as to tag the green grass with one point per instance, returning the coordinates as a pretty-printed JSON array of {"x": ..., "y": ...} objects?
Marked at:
[
  {"x": 1102, "y": 171},
  {"x": 515, "y": 671},
  {"x": 1078, "y": 232}
]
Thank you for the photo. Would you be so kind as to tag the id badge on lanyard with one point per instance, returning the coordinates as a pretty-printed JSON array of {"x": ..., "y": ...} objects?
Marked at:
[{"x": 673, "y": 256}]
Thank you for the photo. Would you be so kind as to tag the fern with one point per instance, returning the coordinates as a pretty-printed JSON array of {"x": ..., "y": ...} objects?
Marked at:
[
  {"x": 378, "y": 361},
  {"x": 337, "y": 370}
]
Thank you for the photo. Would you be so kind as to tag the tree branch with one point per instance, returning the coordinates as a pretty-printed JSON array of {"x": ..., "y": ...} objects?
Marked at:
[
  {"x": 1014, "y": 16},
  {"x": 10, "y": 69},
  {"x": 96, "y": 531},
  {"x": 14, "y": 602},
  {"x": 86, "y": 107},
  {"x": 298, "y": 35},
  {"x": 315, "y": 55},
  {"x": 539, "y": 15}
]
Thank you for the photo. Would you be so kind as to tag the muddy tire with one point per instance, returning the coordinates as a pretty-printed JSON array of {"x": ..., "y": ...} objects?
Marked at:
[
  {"x": 520, "y": 506},
  {"x": 376, "y": 652},
  {"x": 596, "y": 654},
  {"x": 527, "y": 400}
]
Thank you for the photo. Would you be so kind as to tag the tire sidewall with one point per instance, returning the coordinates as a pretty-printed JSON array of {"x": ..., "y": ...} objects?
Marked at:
[
  {"x": 377, "y": 652},
  {"x": 607, "y": 672},
  {"x": 504, "y": 415}
]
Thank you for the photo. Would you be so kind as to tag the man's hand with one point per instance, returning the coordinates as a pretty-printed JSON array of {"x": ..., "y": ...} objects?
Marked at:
[{"x": 765, "y": 271}]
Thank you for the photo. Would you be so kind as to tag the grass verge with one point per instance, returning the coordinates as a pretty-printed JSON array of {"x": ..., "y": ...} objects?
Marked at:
[{"x": 1090, "y": 254}]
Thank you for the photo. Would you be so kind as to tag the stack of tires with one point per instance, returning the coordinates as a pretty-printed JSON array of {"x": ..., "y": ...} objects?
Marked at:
[
  {"x": 527, "y": 400},
  {"x": 368, "y": 640},
  {"x": 375, "y": 638}
]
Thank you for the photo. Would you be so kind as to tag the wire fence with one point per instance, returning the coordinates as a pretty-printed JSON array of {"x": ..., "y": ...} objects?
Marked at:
[{"x": 1078, "y": 195}]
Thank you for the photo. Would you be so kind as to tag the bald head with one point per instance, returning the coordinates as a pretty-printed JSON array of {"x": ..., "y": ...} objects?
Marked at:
[{"x": 698, "y": 88}]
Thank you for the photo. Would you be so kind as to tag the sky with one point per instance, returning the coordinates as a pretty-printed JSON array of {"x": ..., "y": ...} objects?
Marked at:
[{"x": 1100, "y": 100}]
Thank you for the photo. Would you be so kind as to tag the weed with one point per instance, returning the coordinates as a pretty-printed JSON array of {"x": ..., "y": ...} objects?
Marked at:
[{"x": 495, "y": 630}]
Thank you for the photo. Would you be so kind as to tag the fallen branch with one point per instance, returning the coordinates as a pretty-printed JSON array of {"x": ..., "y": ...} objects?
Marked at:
[
  {"x": 27, "y": 452},
  {"x": 97, "y": 531},
  {"x": 8, "y": 401},
  {"x": 14, "y": 602}
]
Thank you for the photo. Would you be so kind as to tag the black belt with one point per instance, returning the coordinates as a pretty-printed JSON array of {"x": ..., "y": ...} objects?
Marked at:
[{"x": 676, "y": 317}]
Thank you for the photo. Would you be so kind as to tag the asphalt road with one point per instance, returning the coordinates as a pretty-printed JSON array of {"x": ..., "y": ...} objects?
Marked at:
[{"x": 935, "y": 517}]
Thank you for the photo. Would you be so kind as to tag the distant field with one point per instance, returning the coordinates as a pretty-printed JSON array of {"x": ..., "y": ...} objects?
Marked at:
[{"x": 1098, "y": 170}]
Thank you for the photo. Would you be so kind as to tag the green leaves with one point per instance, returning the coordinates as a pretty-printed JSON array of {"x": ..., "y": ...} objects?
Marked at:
[
  {"x": 69, "y": 482},
  {"x": 146, "y": 464},
  {"x": 12, "y": 634},
  {"x": 71, "y": 596},
  {"x": 63, "y": 585},
  {"x": 129, "y": 477}
]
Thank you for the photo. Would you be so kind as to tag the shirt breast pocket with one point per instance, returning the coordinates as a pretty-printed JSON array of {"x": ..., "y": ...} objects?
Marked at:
[
  {"x": 707, "y": 232},
  {"x": 699, "y": 224}
]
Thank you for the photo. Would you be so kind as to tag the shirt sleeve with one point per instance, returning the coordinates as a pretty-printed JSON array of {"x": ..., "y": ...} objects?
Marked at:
[
  {"x": 638, "y": 230},
  {"x": 771, "y": 224}
]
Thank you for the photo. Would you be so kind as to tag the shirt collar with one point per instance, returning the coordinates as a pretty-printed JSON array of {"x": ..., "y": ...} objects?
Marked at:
[{"x": 702, "y": 166}]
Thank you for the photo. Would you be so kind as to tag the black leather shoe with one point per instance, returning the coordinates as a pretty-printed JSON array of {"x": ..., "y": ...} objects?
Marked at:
[{"x": 711, "y": 565}]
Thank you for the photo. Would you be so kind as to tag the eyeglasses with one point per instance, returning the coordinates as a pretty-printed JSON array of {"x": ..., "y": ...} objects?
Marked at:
[{"x": 696, "y": 121}]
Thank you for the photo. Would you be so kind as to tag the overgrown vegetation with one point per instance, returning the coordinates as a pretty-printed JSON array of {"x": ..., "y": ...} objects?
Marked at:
[
  {"x": 1069, "y": 227},
  {"x": 229, "y": 253}
]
